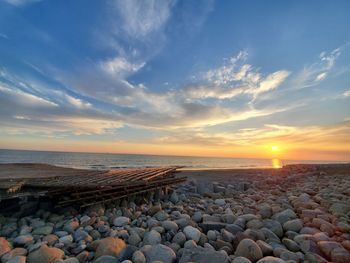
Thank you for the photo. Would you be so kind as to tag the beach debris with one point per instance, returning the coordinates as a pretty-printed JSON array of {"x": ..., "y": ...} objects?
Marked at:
[{"x": 88, "y": 188}]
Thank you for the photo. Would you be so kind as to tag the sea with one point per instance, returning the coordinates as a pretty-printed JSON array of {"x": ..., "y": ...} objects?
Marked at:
[{"x": 102, "y": 161}]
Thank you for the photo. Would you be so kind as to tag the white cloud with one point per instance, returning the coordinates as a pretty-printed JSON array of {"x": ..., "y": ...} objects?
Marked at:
[
  {"x": 21, "y": 2},
  {"x": 315, "y": 73},
  {"x": 346, "y": 93},
  {"x": 141, "y": 18},
  {"x": 119, "y": 66},
  {"x": 24, "y": 98}
]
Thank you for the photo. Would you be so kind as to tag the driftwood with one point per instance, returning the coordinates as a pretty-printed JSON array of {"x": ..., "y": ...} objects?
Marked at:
[{"x": 91, "y": 187}]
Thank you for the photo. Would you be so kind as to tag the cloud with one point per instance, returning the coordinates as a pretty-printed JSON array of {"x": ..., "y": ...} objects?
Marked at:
[
  {"x": 313, "y": 74},
  {"x": 346, "y": 93},
  {"x": 120, "y": 67},
  {"x": 142, "y": 18},
  {"x": 293, "y": 136},
  {"x": 21, "y": 2},
  {"x": 236, "y": 78},
  {"x": 23, "y": 98}
]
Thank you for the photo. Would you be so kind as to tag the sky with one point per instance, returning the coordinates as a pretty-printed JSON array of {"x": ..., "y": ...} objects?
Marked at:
[{"x": 202, "y": 78}]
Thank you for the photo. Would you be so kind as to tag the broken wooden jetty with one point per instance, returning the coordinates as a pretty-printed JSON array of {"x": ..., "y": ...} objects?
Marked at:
[{"x": 84, "y": 188}]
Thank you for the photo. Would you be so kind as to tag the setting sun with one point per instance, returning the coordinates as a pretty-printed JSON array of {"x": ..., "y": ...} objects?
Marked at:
[{"x": 274, "y": 148}]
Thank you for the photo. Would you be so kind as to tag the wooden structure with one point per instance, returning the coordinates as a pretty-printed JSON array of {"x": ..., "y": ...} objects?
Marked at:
[{"x": 86, "y": 188}]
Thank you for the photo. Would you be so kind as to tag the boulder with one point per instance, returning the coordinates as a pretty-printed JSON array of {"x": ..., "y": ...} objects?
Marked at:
[
  {"x": 107, "y": 259},
  {"x": 293, "y": 225},
  {"x": 179, "y": 239},
  {"x": 192, "y": 233},
  {"x": 159, "y": 252},
  {"x": 5, "y": 246},
  {"x": 170, "y": 226},
  {"x": 270, "y": 259},
  {"x": 138, "y": 257},
  {"x": 17, "y": 259},
  {"x": 152, "y": 238},
  {"x": 203, "y": 255},
  {"x": 45, "y": 254},
  {"x": 249, "y": 249},
  {"x": 23, "y": 240},
  {"x": 44, "y": 230},
  {"x": 108, "y": 246},
  {"x": 121, "y": 221},
  {"x": 241, "y": 260}
]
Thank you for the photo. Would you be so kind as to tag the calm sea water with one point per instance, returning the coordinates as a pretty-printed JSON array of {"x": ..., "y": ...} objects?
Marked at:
[{"x": 110, "y": 161}]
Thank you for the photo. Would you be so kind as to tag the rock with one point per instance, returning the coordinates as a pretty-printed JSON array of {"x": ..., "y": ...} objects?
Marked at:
[
  {"x": 71, "y": 226},
  {"x": 179, "y": 238},
  {"x": 284, "y": 216},
  {"x": 154, "y": 209},
  {"x": 66, "y": 239},
  {"x": 340, "y": 255},
  {"x": 266, "y": 249},
  {"x": 290, "y": 244},
  {"x": 289, "y": 256},
  {"x": 226, "y": 236},
  {"x": 121, "y": 221},
  {"x": 254, "y": 224},
  {"x": 127, "y": 253},
  {"x": 211, "y": 235},
  {"x": 270, "y": 259},
  {"x": 249, "y": 249},
  {"x": 45, "y": 230},
  {"x": 22, "y": 240},
  {"x": 79, "y": 235},
  {"x": 220, "y": 202},
  {"x": 85, "y": 220},
  {"x": 138, "y": 257},
  {"x": 5, "y": 246},
  {"x": 161, "y": 216},
  {"x": 152, "y": 238},
  {"x": 327, "y": 246},
  {"x": 241, "y": 260},
  {"x": 134, "y": 239},
  {"x": 83, "y": 256},
  {"x": 212, "y": 226},
  {"x": 265, "y": 211},
  {"x": 45, "y": 254},
  {"x": 197, "y": 217},
  {"x": 203, "y": 255},
  {"x": 192, "y": 233},
  {"x": 170, "y": 226},
  {"x": 233, "y": 228},
  {"x": 190, "y": 244},
  {"x": 50, "y": 239},
  {"x": 71, "y": 260},
  {"x": 107, "y": 259},
  {"x": 19, "y": 251},
  {"x": 274, "y": 226},
  {"x": 17, "y": 259},
  {"x": 293, "y": 225},
  {"x": 159, "y": 252},
  {"x": 174, "y": 198},
  {"x": 108, "y": 246}
]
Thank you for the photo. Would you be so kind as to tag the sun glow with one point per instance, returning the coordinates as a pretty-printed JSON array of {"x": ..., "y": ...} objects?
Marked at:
[{"x": 274, "y": 148}]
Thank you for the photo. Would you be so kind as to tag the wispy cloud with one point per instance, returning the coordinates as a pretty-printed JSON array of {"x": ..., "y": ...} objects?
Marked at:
[{"x": 21, "y": 2}]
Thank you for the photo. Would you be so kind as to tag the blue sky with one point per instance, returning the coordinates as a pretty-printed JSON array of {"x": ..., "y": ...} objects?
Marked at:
[{"x": 198, "y": 77}]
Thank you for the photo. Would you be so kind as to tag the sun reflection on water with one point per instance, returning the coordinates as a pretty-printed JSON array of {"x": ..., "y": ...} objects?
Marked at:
[{"x": 276, "y": 163}]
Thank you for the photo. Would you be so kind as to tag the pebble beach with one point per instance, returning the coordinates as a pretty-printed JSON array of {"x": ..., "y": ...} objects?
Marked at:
[{"x": 216, "y": 216}]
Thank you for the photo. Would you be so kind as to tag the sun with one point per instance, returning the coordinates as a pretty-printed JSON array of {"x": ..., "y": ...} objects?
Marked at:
[{"x": 274, "y": 148}]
